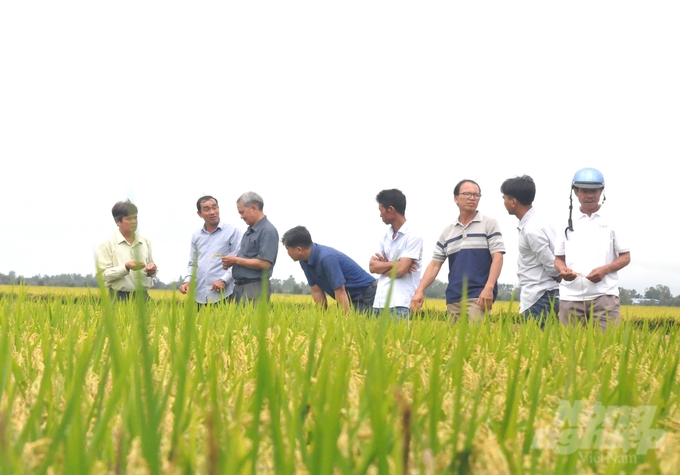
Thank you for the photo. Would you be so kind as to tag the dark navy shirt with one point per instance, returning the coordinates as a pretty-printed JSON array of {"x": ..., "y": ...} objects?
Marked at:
[
  {"x": 329, "y": 269},
  {"x": 259, "y": 241}
]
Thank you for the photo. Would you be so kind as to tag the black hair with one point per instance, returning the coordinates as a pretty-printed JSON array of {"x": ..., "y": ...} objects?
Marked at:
[
  {"x": 456, "y": 190},
  {"x": 122, "y": 209},
  {"x": 205, "y": 198},
  {"x": 522, "y": 188},
  {"x": 297, "y": 236},
  {"x": 394, "y": 198}
]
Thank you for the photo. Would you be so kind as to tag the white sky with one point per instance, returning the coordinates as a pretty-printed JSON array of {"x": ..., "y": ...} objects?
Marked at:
[{"x": 317, "y": 106}]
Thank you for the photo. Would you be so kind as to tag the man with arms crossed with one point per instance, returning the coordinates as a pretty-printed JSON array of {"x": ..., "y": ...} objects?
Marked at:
[
  {"x": 402, "y": 247},
  {"x": 258, "y": 251},
  {"x": 331, "y": 272},
  {"x": 588, "y": 256},
  {"x": 214, "y": 240},
  {"x": 538, "y": 279},
  {"x": 474, "y": 247},
  {"x": 125, "y": 259}
]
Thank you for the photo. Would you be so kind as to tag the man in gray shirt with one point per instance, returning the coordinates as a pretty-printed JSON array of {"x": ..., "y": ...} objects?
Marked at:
[
  {"x": 259, "y": 247},
  {"x": 214, "y": 240}
]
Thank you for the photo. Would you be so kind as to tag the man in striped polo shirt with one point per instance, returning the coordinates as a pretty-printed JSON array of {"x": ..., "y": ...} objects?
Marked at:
[{"x": 474, "y": 247}]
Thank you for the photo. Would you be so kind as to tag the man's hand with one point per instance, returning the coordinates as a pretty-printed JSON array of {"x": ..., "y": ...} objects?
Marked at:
[
  {"x": 417, "y": 301},
  {"x": 485, "y": 299},
  {"x": 134, "y": 265},
  {"x": 184, "y": 288},
  {"x": 150, "y": 269},
  {"x": 413, "y": 267},
  {"x": 228, "y": 261},
  {"x": 597, "y": 274},
  {"x": 379, "y": 257},
  {"x": 218, "y": 286},
  {"x": 567, "y": 274}
]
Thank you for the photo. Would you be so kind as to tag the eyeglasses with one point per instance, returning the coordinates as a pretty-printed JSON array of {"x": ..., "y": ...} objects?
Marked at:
[{"x": 469, "y": 195}]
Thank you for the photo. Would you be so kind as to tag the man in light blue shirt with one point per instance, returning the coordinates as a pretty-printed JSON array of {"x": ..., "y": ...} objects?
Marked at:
[{"x": 209, "y": 244}]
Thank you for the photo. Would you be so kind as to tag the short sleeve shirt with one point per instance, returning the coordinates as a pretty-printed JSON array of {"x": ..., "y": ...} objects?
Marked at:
[
  {"x": 329, "y": 269},
  {"x": 468, "y": 249},
  {"x": 597, "y": 240},
  {"x": 260, "y": 241}
]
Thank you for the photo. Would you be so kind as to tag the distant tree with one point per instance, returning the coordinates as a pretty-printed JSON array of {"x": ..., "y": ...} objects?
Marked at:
[
  {"x": 661, "y": 293},
  {"x": 626, "y": 296},
  {"x": 506, "y": 291},
  {"x": 437, "y": 290}
]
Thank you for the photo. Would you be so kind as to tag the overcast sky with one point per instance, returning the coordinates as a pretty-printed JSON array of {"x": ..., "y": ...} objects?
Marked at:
[{"x": 317, "y": 106}]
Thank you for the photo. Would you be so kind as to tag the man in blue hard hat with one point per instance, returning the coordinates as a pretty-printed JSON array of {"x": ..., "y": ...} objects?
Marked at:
[{"x": 588, "y": 255}]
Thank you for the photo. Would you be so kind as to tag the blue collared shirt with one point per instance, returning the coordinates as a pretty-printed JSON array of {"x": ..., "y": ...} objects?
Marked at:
[
  {"x": 330, "y": 269},
  {"x": 207, "y": 249}
]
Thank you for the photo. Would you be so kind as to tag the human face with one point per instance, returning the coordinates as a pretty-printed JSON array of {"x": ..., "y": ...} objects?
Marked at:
[
  {"x": 387, "y": 215},
  {"x": 467, "y": 204},
  {"x": 509, "y": 202},
  {"x": 210, "y": 212},
  {"x": 128, "y": 225},
  {"x": 588, "y": 198},
  {"x": 248, "y": 213},
  {"x": 295, "y": 253}
]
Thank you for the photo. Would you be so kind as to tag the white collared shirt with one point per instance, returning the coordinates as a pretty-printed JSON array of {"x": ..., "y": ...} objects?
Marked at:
[
  {"x": 536, "y": 259},
  {"x": 596, "y": 241},
  {"x": 409, "y": 244}
]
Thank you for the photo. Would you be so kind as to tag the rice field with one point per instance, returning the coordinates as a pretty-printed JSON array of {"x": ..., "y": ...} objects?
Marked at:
[{"x": 88, "y": 386}]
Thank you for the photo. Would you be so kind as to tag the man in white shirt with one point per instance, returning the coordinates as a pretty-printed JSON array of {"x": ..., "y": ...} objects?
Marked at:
[
  {"x": 400, "y": 247},
  {"x": 538, "y": 279},
  {"x": 589, "y": 255},
  {"x": 125, "y": 259}
]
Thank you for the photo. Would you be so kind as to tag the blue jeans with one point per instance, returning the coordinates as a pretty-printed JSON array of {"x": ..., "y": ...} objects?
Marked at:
[
  {"x": 400, "y": 313},
  {"x": 550, "y": 300}
]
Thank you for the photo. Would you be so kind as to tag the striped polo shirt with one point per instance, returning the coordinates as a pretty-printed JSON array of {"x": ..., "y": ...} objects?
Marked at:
[{"x": 469, "y": 250}]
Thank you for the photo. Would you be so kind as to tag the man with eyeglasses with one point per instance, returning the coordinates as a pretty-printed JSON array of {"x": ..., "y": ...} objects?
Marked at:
[
  {"x": 474, "y": 247},
  {"x": 588, "y": 255}
]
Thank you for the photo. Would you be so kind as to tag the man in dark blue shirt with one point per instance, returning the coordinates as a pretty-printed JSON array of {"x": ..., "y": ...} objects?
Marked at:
[{"x": 331, "y": 272}]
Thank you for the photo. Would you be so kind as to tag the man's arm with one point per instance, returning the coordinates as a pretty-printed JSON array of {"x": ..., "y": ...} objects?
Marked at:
[
  {"x": 193, "y": 254},
  {"x": 485, "y": 299},
  {"x": 342, "y": 298},
  {"x": 380, "y": 265},
  {"x": 428, "y": 277},
  {"x": 565, "y": 272},
  {"x": 539, "y": 245},
  {"x": 252, "y": 263},
  {"x": 319, "y": 296},
  {"x": 597, "y": 274}
]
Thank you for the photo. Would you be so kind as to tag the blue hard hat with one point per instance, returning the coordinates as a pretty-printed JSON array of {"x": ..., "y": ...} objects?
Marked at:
[{"x": 588, "y": 178}]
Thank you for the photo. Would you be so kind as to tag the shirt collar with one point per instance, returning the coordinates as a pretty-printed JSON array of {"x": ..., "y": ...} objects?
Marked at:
[
  {"x": 476, "y": 219},
  {"x": 120, "y": 238},
  {"x": 257, "y": 226},
  {"x": 312, "y": 254},
  {"x": 402, "y": 230},
  {"x": 220, "y": 225},
  {"x": 525, "y": 219}
]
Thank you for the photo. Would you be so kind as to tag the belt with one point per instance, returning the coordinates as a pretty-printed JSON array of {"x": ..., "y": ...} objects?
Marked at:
[{"x": 246, "y": 281}]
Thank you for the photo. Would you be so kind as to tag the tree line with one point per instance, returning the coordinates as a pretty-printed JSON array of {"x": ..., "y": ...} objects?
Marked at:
[{"x": 659, "y": 295}]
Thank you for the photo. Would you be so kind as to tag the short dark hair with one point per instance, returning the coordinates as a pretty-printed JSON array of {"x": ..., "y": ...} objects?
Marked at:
[
  {"x": 394, "y": 198},
  {"x": 522, "y": 188},
  {"x": 456, "y": 190},
  {"x": 205, "y": 198},
  {"x": 297, "y": 236},
  {"x": 122, "y": 209}
]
